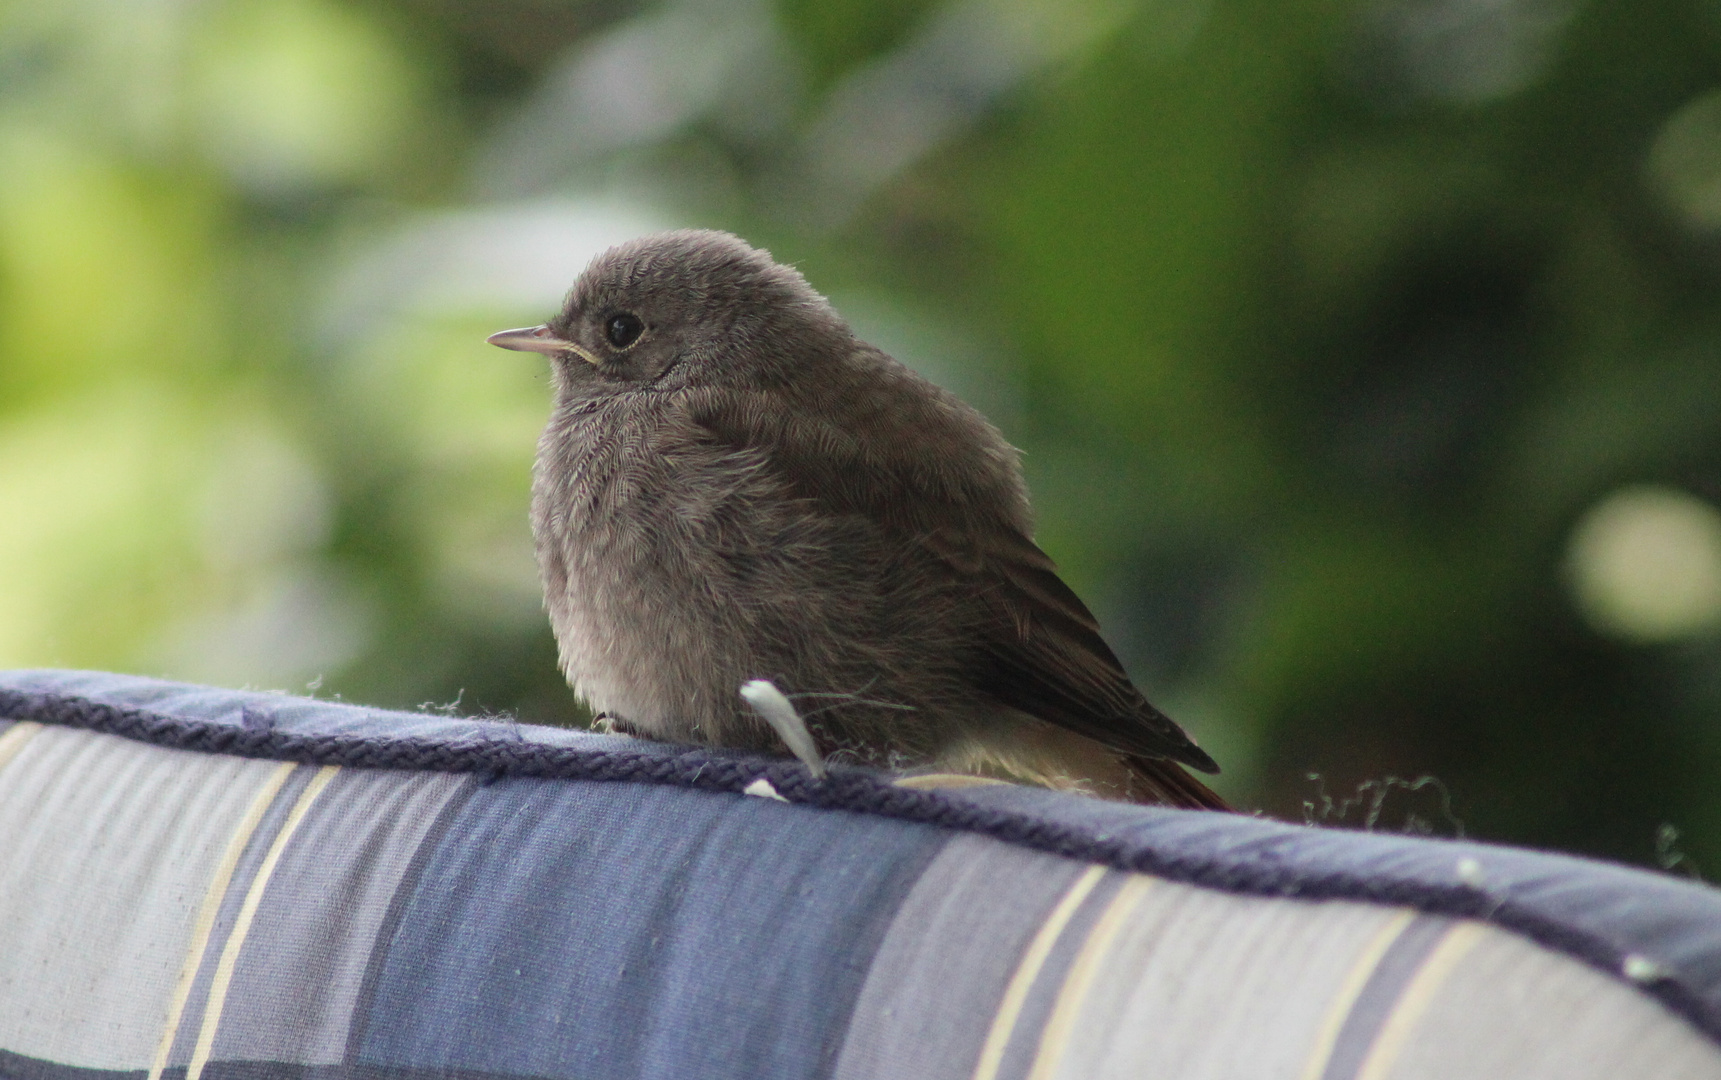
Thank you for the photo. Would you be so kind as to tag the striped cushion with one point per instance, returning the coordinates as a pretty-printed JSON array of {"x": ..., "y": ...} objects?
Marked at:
[{"x": 200, "y": 883}]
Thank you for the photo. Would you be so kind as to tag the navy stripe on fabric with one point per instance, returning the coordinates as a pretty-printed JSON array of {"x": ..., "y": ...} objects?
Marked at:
[
  {"x": 660, "y": 933},
  {"x": 982, "y": 811},
  {"x": 18, "y": 1067},
  {"x": 287, "y": 1070}
]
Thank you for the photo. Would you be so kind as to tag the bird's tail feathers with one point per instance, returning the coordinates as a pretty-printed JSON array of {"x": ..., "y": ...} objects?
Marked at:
[{"x": 1165, "y": 782}]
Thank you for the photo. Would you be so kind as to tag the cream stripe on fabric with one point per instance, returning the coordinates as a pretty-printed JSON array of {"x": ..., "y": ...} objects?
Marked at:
[
  {"x": 1016, "y": 994},
  {"x": 1416, "y": 997},
  {"x": 1351, "y": 989},
  {"x": 212, "y": 898},
  {"x": 242, "y": 925},
  {"x": 14, "y": 738},
  {"x": 1081, "y": 977}
]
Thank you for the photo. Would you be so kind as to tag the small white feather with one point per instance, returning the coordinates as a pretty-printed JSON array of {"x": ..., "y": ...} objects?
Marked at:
[
  {"x": 769, "y": 702},
  {"x": 761, "y": 788}
]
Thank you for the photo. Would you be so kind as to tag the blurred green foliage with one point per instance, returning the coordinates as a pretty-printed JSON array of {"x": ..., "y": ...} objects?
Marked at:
[{"x": 1366, "y": 356}]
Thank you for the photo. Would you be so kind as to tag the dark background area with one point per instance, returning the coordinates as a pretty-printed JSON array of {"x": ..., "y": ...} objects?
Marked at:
[{"x": 1366, "y": 357}]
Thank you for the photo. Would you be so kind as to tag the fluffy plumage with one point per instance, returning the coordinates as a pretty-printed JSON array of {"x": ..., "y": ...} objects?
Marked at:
[{"x": 733, "y": 486}]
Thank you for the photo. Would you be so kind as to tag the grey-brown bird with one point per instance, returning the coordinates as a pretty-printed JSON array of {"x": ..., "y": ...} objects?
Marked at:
[{"x": 733, "y": 487}]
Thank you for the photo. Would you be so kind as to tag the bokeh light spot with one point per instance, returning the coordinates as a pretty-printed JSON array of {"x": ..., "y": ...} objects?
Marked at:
[
  {"x": 1685, "y": 162},
  {"x": 1645, "y": 565},
  {"x": 296, "y": 94}
]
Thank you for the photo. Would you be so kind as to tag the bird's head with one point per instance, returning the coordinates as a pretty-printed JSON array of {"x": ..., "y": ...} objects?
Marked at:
[{"x": 684, "y": 308}]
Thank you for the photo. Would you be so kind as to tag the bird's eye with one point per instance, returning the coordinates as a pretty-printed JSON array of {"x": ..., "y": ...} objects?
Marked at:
[{"x": 624, "y": 329}]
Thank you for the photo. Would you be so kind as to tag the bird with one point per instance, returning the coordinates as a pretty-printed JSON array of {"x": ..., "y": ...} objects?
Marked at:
[{"x": 732, "y": 488}]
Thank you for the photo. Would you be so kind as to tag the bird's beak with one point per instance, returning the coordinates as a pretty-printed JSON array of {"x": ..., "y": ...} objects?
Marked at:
[{"x": 538, "y": 339}]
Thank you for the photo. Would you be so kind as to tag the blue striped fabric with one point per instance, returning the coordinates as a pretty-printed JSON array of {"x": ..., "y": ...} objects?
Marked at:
[{"x": 200, "y": 883}]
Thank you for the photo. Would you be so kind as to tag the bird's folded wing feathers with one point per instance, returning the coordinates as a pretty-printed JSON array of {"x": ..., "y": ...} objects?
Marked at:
[
  {"x": 1047, "y": 657},
  {"x": 1044, "y": 654}
]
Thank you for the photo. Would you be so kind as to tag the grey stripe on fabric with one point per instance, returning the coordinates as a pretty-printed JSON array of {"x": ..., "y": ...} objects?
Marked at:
[
  {"x": 209, "y": 910},
  {"x": 1028, "y": 968},
  {"x": 1177, "y": 981},
  {"x": 946, "y": 959},
  {"x": 400, "y": 900},
  {"x": 99, "y": 917},
  {"x": 218, "y": 993},
  {"x": 1022, "y": 1046},
  {"x": 1380, "y": 995},
  {"x": 257, "y": 845},
  {"x": 1070, "y": 1007},
  {"x": 301, "y": 971}
]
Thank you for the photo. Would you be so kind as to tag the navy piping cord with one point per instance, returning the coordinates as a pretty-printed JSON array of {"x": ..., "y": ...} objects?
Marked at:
[{"x": 858, "y": 791}]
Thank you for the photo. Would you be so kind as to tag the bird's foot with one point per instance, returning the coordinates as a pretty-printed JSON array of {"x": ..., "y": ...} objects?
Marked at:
[{"x": 610, "y": 724}]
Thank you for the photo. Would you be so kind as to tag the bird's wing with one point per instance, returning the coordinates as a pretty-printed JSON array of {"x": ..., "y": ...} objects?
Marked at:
[{"x": 1042, "y": 652}]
